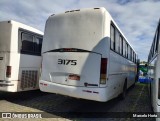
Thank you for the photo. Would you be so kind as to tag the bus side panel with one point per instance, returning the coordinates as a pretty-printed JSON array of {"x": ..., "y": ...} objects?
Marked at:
[
  {"x": 119, "y": 70},
  {"x": 2, "y": 66},
  {"x": 9, "y": 83},
  {"x": 5, "y": 42},
  {"x": 5, "y": 36},
  {"x": 157, "y": 75},
  {"x": 117, "y": 73},
  {"x": 132, "y": 72},
  {"x": 29, "y": 71},
  {"x": 154, "y": 90}
]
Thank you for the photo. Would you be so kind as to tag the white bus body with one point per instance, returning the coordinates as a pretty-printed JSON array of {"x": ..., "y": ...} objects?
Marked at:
[
  {"x": 20, "y": 56},
  {"x": 77, "y": 59},
  {"x": 154, "y": 71}
]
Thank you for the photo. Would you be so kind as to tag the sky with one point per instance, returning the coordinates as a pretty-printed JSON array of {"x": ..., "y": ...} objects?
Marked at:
[{"x": 137, "y": 19}]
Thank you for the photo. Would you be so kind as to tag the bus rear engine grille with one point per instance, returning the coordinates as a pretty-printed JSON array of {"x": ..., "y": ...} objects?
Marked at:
[{"x": 29, "y": 79}]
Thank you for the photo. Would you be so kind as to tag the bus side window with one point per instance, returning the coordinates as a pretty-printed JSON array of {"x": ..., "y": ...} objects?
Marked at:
[
  {"x": 27, "y": 43},
  {"x": 38, "y": 44},
  {"x": 30, "y": 43},
  {"x": 157, "y": 40},
  {"x": 112, "y": 37},
  {"x": 124, "y": 48},
  {"x": 129, "y": 53},
  {"x": 133, "y": 56},
  {"x": 121, "y": 45},
  {"x": 117, "y": 41}
]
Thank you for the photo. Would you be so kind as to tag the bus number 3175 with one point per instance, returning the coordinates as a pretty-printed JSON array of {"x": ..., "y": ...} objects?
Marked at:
[{"x": 67, "y": 62}]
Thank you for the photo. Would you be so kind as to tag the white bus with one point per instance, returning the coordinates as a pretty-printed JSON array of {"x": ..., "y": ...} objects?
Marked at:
[
  {"x": 85, "y": 55},
  {"x": 154, "y": 71},
  {"x": 20, "y": 56}
]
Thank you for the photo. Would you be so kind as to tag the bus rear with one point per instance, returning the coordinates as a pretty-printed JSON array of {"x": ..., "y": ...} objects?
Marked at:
[
  {"x": 75, "y": 55},
  {"x": 5, "y": 45},
  {"x": 20, "y": 56}
]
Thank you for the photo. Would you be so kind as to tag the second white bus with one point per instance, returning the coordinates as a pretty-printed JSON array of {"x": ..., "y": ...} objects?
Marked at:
[
  {"x": 20, "y": 56},
  {"x": 154, "y": 71},
  {"x": 85, "y": 55}
]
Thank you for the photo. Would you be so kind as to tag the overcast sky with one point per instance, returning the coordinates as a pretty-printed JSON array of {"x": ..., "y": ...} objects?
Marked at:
[{"x": 136, "y": 18}]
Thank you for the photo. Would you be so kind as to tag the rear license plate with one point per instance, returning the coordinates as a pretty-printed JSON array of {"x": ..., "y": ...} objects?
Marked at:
[{"x": 74, "y": 77}]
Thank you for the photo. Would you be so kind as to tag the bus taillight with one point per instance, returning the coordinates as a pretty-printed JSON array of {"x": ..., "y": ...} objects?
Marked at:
[
  {"x": 103, "y": 70},
  {"x": 8, "y": 71}
]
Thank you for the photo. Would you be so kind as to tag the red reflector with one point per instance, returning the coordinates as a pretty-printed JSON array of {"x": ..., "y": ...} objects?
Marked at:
[
  {"x": 104, "y": 65},
  {"x": 45, "y": 84},
  {"x": 8, "y": 71}
]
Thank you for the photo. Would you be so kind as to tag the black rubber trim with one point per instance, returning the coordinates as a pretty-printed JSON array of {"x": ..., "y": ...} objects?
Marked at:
[{"x": 73, "y": 50}]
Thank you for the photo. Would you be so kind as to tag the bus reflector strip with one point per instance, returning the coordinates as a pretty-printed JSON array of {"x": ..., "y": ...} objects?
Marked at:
[
  {"x": 91, "y": 91},
  {"x": 44, "y": 84},
  {"x": 69, "y": 50},
  {"x": 87, "y": 91},
  {"x": 96, "y": 92},
  {"x": 5, "y": 85}
]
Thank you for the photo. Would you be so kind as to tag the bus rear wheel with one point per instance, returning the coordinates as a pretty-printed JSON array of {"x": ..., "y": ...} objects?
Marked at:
[{"x": 123, "y": 95}]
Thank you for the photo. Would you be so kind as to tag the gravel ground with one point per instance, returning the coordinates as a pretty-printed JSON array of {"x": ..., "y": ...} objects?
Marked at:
[{"x": 137, "y": 100}]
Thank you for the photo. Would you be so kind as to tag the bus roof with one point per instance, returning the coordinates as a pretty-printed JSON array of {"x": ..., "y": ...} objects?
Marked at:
[
  {"x": 109, "y": 16},
  {"x": 102, "y": 10},
  {"x": 23, "y": 26}
]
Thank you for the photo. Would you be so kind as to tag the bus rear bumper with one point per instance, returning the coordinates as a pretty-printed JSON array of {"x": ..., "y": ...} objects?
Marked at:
[
  {"x": 157, "y": 108},
  {"x": 97, "y": 94},
  {"x": 8, "y": 86}
]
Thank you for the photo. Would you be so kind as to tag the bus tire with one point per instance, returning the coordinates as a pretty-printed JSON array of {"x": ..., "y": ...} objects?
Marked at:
[
  {"x": 123, "y": 95},
  {"x": 135, "y": 81},
  {"x": 150, "y": 95}
]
